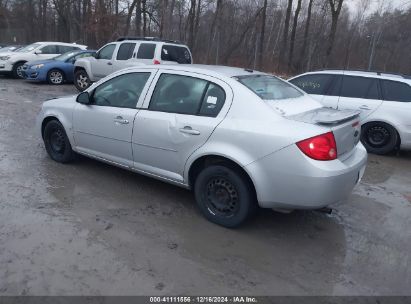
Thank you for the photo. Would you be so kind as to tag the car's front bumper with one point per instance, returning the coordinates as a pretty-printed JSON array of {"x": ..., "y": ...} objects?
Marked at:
[
  {"x": 5, "y": 66},
  {"x": 288, "y": 179},
  {"x": 34, "y": 74}
]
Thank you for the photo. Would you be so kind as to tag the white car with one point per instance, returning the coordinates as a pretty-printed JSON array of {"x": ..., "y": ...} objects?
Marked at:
[
  {"x": 12, "y": 62},
  {"x": 127, "y": 52},
  {"x": 383, "y": 99},
  {"x": 238, "y": 138}
]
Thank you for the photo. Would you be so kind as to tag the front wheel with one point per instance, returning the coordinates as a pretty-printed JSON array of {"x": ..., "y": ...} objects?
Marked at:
[
  {"x": 224, "y": 196},
  {"x": 18, "y": 70},
  {"x": 56, "y": 142},
  {"x": 379, "y": 138},
  {"x": 81, "y": 80},
  {"x": 55, "y": 77}
]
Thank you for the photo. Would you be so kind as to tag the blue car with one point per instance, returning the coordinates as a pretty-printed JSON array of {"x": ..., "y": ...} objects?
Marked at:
[{"x": 55, "y": 71}]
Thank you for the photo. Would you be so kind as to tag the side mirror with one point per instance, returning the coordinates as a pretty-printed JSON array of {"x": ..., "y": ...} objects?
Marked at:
[
  {"x": 84, "y": 98},
  {"x": 96, "y": 55},
  {"x": 38, "y": 52}
]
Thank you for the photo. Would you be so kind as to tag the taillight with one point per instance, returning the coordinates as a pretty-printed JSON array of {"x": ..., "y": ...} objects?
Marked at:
[
  {"x": 321, "y": 147},
  {"x": 156, "y": 61}
]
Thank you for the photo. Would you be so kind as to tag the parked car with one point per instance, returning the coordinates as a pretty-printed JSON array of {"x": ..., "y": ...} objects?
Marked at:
[
  {"x": 10, "y": 48},
  {"x": 12, "y": 62},
  {"x": 127, "y": 52},
  {"x": 383, "y": 99},
  {"x": 236, "y": 137},
  {"x": 57, "y": 70}
]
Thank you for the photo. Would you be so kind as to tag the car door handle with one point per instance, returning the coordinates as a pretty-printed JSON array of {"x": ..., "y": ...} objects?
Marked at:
[
  {"x": 365, "y": 107},
  {"x": 189, "y": 130},
  {"x": 109, "y": 63},
  {"x": 121, "y": 120}
]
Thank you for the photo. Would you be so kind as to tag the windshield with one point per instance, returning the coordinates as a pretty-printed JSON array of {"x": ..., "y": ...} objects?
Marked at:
[
  {"x": 268, "y": 87},
  {"x": 29, "y": 48},
  {"x": 65, "y": 56}
]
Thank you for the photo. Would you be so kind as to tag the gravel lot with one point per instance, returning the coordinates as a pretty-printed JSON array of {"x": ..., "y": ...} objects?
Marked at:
[{"x": 91, "y": 229}]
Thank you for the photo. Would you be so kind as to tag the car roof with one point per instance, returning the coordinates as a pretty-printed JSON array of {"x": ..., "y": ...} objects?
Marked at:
[
  {"x": 61, "y": 43},
  {"x": 374, "y": 74},
  {"x": 212, "y": 70}
]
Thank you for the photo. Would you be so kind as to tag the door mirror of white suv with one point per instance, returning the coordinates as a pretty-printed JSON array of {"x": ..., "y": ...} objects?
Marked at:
[
  {"x": 83, "y": 98},
  {"x": 38, "y": 52}
]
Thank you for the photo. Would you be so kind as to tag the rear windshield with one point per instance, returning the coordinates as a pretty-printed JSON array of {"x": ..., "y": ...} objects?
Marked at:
[
  {"x": 269, "y": 87},
  {"x": 179, "y": 54}
]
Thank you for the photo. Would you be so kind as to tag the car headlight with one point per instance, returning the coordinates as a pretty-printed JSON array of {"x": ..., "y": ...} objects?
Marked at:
[
  {"x": 37, "y": 66},
  {"x": 5, "y": 58}
]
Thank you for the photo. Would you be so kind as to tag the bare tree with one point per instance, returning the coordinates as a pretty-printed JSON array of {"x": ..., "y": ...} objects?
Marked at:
[
  {"x": 335, "y": 6},
  {"x": 285, "y": 34},
  {"x": 293, "y": 33}
]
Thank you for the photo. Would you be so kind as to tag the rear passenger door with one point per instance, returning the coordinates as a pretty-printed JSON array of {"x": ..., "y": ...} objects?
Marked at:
[
  {"x": 180, "y": 113},
  {"x": 360, "y": 93},
  {"x": 317, "y": 85},
  {"x": 125, "y": 52},
  {"x": 145, "y": 53}
]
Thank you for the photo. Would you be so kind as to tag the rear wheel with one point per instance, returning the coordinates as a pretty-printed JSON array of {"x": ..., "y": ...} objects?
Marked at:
[
  {"x": 224, "y": 196},
  {"x": 55, "y": 77},
  {"x": 81, "y": 80},
  {"x": 379, "y": 138},
  {"x": 56, "y": 142},
  {"x": 18, "y": 70}
]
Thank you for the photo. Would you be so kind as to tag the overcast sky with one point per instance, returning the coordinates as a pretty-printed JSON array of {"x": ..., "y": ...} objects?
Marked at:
[{"x": 393, "y": 4}]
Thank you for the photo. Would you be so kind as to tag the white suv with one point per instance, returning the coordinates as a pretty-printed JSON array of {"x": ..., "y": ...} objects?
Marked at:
[
  {"x": 12, "y": 62},
  {"x": 127, "y": 52},
  {"x": 384, "y": 100}
]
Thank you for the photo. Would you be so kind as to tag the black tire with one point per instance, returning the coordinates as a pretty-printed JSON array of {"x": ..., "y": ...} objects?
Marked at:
[
  {"x": 57, "y": 144},
  {"x": 379, "y": 138},
  {"x": 224, "y": 196},
  {"x": 55, "y": 77},
  {"x": 81, "y": 80},
  {"x": 17, "y": 73}
]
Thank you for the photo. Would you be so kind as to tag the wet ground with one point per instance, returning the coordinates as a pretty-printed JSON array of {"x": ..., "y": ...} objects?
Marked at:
[{"x": 91, "y": 229}]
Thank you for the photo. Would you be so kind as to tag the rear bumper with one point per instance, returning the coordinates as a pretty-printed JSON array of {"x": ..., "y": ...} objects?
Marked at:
[
  {"x": 288, "y": 179},
  {"x": 405, "y": 135}
]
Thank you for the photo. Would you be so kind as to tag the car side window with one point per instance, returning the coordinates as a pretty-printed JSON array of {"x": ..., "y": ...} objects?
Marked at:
[
  {"x": 359, "y": 87},
  {"x": 122, "y": 91},
  {"x": 146, "y": 51},
  {"x": 213, "y": 101},
  {"x": 396, "y": 91},
  {"x": 125, "y": 51},
  {"x": 178, "y": 54},
  {"x": 64, "y": 49},
  {"x": 50, "y": 49},
  {"x": 316, "y": 84},
  {"x": 107, "y": 52}
]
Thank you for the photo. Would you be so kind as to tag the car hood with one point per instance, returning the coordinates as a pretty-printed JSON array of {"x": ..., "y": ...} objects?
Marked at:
[
  {"x": 7, "y": 53},
  {"x": 60, "y": 102},
  {"x": 30, "y": 63}
]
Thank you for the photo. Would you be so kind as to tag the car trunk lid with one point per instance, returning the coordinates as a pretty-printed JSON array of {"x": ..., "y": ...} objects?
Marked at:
[{"x": 345, "y": 124}]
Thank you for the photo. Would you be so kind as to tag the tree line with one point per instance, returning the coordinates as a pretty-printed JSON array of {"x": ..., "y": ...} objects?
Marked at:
[{"x": 280, "y": 36}]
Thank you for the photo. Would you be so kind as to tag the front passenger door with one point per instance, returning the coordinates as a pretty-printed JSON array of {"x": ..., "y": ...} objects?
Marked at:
[
  {"x": 103, "y": 129},
  {"x": 103, "y": 65}
]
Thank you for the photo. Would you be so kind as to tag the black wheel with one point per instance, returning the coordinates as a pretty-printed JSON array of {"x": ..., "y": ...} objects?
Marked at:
[
  {"x": 81, "y": 80},
  {"x": 224, "y": 196},
  {"x": 55, "y": 77},
  {"x": 379, "y": 138},
  {"x": 56, "y": 142},
  {"x": 18, "y": 70}
]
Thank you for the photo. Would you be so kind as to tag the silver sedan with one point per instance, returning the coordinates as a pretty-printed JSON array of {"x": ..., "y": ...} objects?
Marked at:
[{"x": 238, "y": 138}]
